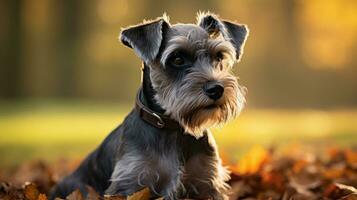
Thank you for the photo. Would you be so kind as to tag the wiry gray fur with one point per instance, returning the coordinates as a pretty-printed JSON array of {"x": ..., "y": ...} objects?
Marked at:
[{"x": 182, "y": 163}]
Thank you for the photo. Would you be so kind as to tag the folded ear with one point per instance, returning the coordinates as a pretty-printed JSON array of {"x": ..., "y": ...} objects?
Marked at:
[
  {"x": 238, "y": 34},
  {"x": 235, "y": 33},
  {"x": 210, "y": 23},
  {"x": 145, "y": 38}
]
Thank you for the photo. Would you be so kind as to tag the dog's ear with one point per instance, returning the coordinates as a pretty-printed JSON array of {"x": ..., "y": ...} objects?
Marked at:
[
  {"x": 145, "y": 38},
  {"x": 235, "y": 33},
  {"x": 238, "y": 34},
  {"x": 210, "y": 23}
]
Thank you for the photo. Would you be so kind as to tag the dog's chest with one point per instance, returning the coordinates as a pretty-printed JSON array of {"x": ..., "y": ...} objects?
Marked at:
[{"x": 161, "y": 167}]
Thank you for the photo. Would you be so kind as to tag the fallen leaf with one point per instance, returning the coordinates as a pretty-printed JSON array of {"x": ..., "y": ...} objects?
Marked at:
[
  {"x": 10, "y": 192},
  {"x": 274, "y": 180},
  {"x": 240, "y": 189},
  {"x": 31, "y": 191},
  {"x": 299, "y": 166},
  {"x": 350, "y": 197},
  {"x": 92, "y": 194},
  {"x": 335, "y": 171},
  {"x": 351, "y": 157},
  {"x": 261, "y": 174},
  {"x": 114, "y": 197},
  {"x": 251, "y": 162},
  {"x": 42, "y": 197},
  {"x": 337, "y": 190},
  {"x": 76, "y": 195},
  {"x": 37, "y": 172},
  {"x": 143, "y": 194}
]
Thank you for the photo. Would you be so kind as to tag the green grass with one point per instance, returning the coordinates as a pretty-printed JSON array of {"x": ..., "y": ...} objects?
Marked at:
[{"x": 52, "y": 130}]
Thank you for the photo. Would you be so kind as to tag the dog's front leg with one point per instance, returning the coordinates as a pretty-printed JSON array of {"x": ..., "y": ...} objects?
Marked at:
[
  {"x": 205, "y": 177},
  {"x": 160, "y": 173}
]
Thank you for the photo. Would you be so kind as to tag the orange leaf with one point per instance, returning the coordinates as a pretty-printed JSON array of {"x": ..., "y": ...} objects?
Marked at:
[
  {"x": 252, "y": 161},
  {"x": 274, "y": 179},
  {"x": 299, "y": 166},
  {"x": 351, "y": 157},
  {"x": 114, "y": 197},
  {"x": 42, "y": 197},
  {"x": 334, "y": 172},
  {"x": 31, "y": 191},
  {"x": 76, "y": 195},
  {"x": 143, "y": 194}
]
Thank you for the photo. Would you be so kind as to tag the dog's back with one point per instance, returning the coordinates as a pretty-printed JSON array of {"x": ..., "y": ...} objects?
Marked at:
[{"x": 94, "y": 171}]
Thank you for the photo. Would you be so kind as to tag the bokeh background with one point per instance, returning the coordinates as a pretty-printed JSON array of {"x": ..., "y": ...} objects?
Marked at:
[{"x": 66, "y": 81}]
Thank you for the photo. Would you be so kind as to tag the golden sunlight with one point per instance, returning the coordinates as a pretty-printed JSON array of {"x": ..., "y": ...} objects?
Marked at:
[{"x": 329, "y": 31}]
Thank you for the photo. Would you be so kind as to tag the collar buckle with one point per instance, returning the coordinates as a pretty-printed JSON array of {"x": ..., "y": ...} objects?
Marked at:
[
  {"x": 151, "y": 117},
  {"x": 159, "y": 123}
]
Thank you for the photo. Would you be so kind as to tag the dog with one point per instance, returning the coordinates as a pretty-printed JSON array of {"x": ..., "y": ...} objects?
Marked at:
[{"x": 164, "y": 143}]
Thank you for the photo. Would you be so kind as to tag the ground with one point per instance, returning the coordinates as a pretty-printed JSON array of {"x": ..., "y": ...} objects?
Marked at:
[{"x": 273, "y": 154}]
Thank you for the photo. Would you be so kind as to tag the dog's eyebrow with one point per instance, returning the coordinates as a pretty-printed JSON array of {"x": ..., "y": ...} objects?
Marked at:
[
  {"x": 216, "y": 45},
  {"x": 212, "y": 46},
  {"x": 176, "y": 43}
]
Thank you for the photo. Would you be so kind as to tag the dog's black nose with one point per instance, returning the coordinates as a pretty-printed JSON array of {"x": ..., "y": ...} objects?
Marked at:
[{"x": 213, "y": 90}]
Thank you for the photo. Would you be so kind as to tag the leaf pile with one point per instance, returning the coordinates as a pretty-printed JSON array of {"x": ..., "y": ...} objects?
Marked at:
[
  {"x": 295, "y": 175},
  {"x": 261, "y": 174}
]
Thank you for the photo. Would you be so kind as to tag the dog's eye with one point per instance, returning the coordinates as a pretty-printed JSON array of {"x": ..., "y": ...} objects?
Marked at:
[
  {"x": 178, "y": 59},
  {"x": 219, "y": 56}
]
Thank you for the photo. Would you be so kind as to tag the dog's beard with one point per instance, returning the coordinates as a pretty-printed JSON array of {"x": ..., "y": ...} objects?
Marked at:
[
  {"x": 187, "y": 103},
  {"x": 206, "y": 114}
]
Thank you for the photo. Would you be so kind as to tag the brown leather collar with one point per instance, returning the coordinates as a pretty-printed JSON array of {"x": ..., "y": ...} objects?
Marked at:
[{"x": 155, "y": 119}]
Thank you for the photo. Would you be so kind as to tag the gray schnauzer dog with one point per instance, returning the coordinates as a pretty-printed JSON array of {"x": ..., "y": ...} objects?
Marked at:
[{"x": 164, "y": 143}]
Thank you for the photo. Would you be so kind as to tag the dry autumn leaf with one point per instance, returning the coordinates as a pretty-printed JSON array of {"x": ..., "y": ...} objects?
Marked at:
[
  {"x": 42, "y": 197},
  {"x": 337, "y": 190},
  {"x": 143, "y": 194},
  {"x": 31, "y": 191},
  {"x": 252, "y": 161},
  {"x": 92, "y": 194},
  {"x": 76, "y": 195},
  {"x": 114, "y": 197},
  {"x": 351, "y": 157},
  {"x": 349, "y": 197},
  {"x": 260, "y": 175}
]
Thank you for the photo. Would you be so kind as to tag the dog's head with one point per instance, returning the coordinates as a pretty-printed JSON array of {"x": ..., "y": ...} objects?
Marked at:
[{"x": 190, "y": 67}]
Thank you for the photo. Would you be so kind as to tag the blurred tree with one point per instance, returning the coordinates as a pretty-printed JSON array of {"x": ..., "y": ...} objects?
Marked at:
[
  {"x": 10, "y": 49},
  {"x": 299, "y": 53},
  {"x": 70, "y": 21}
]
